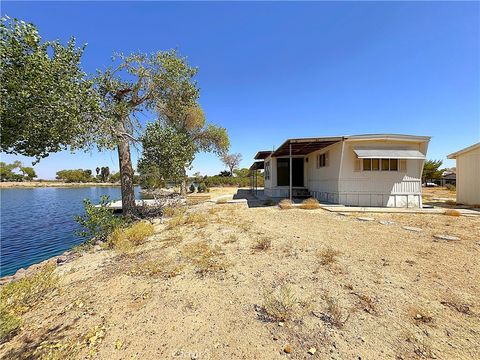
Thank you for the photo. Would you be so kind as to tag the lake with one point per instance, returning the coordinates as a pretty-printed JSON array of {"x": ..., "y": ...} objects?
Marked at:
[{"x": 38, "y": 223}]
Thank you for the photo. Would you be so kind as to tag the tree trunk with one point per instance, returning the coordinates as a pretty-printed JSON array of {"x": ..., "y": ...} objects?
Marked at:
[
  {"x": 126, "y": 177},
  {"x": 183, "y": 184}
]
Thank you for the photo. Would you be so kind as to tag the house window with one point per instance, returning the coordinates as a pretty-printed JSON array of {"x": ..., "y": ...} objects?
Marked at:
[
  {"x": 267, "y": 170},
  {"x": 380, "y": 164},
  {"x": 322, "y": 160}
]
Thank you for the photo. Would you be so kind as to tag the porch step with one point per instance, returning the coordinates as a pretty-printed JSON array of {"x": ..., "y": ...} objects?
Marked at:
[{"x": 301, "y": 193}]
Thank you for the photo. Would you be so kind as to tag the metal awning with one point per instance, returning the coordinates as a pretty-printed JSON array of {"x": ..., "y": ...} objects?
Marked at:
[
  {"x": 262, "y": 154},
  {"x": 305, "y": 146},
  {"x": 388, "y": 154},
  {"x": 257, "y": 165}
]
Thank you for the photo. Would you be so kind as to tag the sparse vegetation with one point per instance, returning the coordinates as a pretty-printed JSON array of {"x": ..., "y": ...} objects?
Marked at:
[
  {"x": 285, "y": 204},
  {"x": 205, "y": 258},
  {"x": 165, "y": 268},
  {"x": 125, "y": 239},
  {"x": 328, "y": 256},
  {"x": 450, "y": 187},
  {"x": 281, "y": 305},
  {"x": 263, "y": 244},
  {"x": 334, "y": 314},
  {"x": 310, "y": 204},
  {"x": 232, "y": 238}
]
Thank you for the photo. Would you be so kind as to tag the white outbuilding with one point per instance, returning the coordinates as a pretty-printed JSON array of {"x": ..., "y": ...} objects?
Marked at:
[
  {"x": 360, "y": 170},
  {"x": 468, "y": 174}
]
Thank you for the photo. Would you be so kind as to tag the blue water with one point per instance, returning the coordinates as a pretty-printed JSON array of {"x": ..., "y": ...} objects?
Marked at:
[{"x": 38, "y": 223}]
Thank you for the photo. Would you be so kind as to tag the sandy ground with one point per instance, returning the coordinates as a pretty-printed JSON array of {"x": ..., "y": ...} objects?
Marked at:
[
  {"x": 428, "y": 193},
  {"x": 28, "y": 184},
  {"x": 389, "y": 293}
]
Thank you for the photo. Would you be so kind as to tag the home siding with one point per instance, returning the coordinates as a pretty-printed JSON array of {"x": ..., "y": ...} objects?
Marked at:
[{"x": 468, "y": 177}]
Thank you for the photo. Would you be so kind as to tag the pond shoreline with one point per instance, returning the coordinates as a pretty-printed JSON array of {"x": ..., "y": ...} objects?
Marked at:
[{"x": 56, "y": 184}]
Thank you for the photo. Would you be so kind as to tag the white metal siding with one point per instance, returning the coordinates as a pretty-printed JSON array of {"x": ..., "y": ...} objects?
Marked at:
[{"x": 468, "y": 177}]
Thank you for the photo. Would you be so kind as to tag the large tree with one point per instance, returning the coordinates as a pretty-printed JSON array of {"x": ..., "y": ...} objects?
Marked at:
[
  {"x": 46, "y": 102},
  {"x": 232, "y": 161},
  {"x": 431, "y": 170}
]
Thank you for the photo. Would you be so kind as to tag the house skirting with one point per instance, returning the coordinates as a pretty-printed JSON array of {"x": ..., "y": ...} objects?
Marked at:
[{"x": 362, "y": 199}]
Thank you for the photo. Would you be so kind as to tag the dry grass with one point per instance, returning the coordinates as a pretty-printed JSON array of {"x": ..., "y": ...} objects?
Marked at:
[
  {"x": 451, "y": 212},
  {"x": 366, "y": 303},
  {"x": 205, "y": 258},
  {"x": 195, "y": 218},
  {"x": 232, "y": 238},
  {"x": 457, "y": 306},
  {"x": 334, "y": 315},
  {"x": 165, "y": 268},
  {"x": 281, "y": 305},
  {"x": 171, "y": 211},
  {"x": 18, "y": 297},
  {"x": 263, "y": 244},
  {"x": 328, "y": 256},
  {"x": 310, "y": 204},
  {"x": 285, "y": 204},
  {"x": 126, "y": 239}
]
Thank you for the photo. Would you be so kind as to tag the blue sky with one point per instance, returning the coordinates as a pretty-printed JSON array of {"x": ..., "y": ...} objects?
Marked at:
[{"x": 269, "y": 71}]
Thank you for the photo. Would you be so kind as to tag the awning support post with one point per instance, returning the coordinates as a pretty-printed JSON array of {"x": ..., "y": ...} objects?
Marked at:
[{"x": 290, "y": 150}]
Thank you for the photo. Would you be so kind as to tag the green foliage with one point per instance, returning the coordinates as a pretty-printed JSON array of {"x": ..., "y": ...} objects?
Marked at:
[
  {"x": 192, "y": 188},
  {"x": 431, "y": 170},
  {"x": 104, "y": 174},
  {"x": 243, "y": 173},
  {"x": 78, "y": 175},
  {"x": 98, "y": 222},
  {"x": 115, "y": 177},
  {"x": 28, "y": 172},
  {"x": 47, "y": 103},
  {"x": 9, "y": 323},
  {"x": 167, "y": 152},
  {"x": 6, "y": 171},
  {"x": 202, "y": 187},
  {"x": 126, "y": 239}
]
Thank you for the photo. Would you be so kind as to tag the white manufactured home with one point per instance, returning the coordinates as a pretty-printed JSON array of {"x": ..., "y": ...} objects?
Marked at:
[
  {"x": 468, "y": 174},
  {"x": 358, "y": 170}
]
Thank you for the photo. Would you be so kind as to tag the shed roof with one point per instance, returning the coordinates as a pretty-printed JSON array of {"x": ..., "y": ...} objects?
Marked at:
[
  {"x": 467, "y": 149},
  {"x": 257, "y": 165},
  {"x": 305, "y": 146},
  {"x": 263, "y": 154}
]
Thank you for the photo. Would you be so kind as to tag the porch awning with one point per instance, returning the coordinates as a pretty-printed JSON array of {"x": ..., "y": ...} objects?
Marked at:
[
  {"x": 388, "y": 154},
  {"x": 257, "y": 165}
]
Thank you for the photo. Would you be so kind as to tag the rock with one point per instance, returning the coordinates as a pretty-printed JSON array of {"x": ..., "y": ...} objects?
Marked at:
[
  {"x": 21, "y": 273},
  {"x": 365, "y": 218},
  {"x": 287, "y": 349},
  {"x": 386, "y": 222},
  {"x": 412, "y": 228},
  {"x": 281, "y": 323},
  {"x": 446, "y": 237},
  {"x": 312, "y": 351},
  {"x": 62, "y": 260},
  {"x": 6, "y": 279}
]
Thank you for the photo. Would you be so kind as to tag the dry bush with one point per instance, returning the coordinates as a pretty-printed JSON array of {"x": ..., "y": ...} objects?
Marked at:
[
  {"x": 205, "y": 258},
  {"x": 196, "y": 218},
  {"x": 285, "y": 204},
  {"x": 334, "y": 315},
  {"x": 171, "y": 211},
  {"x": 366, "y": 303},
  {"x": 263, "y": 244},
  {"x": 17, "y": 297},
  {"x": 451, "y": 212},
  {"x": 281, "y": 305},
  {"x": 231, "y": 239},
  {"x": 165, "y": 268},
  {"x": 310, "y": 204},
  {"x": 126, "y": 239},
  {"x": 328, "y": 256}
]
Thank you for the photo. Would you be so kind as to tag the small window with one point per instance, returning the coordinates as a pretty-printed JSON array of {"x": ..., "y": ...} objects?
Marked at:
[
  {"x": 385, "y": 164},
  {"x": 367, "y": 164},
  {"x": 375, "y": 164},
  {"x": 267, "y": 170},
  {"x": 322, "y": 160},
  {"x": 393, "y": 164}
]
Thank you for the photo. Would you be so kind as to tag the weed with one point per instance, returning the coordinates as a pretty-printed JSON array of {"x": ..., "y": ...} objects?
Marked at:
[
  {"x": 280, "y": 305},
  {"x": 285, "y": 204},
  {"x": 366, "y": 303},
  {"x": 196, "y": 218},
  {"x": 171, "y": 211},
  {"x": 231, "y": 239},
  {"x": 451, "y": 212},
  {"x": 263, "y": 244},
  {"x": 310, "y": 204},
  {"x": 125, "y": 239},
  {"x": 9, "y": 324},
  {"x": 205, "y": 258},
  {"x": 328, "y": 256},
  {"x": 157, "y": 268},
  {"x": 334, "y": 314}
]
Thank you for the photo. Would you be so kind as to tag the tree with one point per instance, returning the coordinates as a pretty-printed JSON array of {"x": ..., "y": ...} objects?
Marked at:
[
  {"x": 167, "y": 152},
  {"x": 160, "y": 82},
  {"x": 224, "y": 173},
  {"x": 242, "y": 173},
  {"x": 78, "y": 175},
  {"x": 97, "y": 171},
  {"x": 28, "y": 172},
  {"x": 431, "y": 170},
  {"x": 231, "y": 161},
  {"x": 46, "y": 103},
  {"x": 6, "y": 171},
  {"x": 104, "y": 173}
]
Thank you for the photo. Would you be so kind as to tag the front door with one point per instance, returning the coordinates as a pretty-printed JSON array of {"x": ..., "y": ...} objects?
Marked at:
[{"x": 283, "y": 172}]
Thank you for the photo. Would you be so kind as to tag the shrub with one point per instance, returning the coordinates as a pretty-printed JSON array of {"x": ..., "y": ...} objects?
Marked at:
[
  {"x": 285, "y": 204},
  {"x": 98, "y": 222},
  {"x": 450, "y": 187},
  {"x": 310, "y": 204},
  {"x": 328, "y": 256},
  {"x": 280, "y": 305},
  {"x": 9, "y": 324},
  {"x": 125, "y": 239},
  {"x": 205, "y": 258},
  {"x": 202, "y": 188},
  {"x": 451, "y": 212},
  {"x": 192, "y": 188},
  {"x": 263, "y": 244}
]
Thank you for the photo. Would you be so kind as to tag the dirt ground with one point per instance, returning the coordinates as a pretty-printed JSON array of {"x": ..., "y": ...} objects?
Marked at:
[
  {"x": 203, "y": 289},
  {"x": 439, "y": 192}
]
